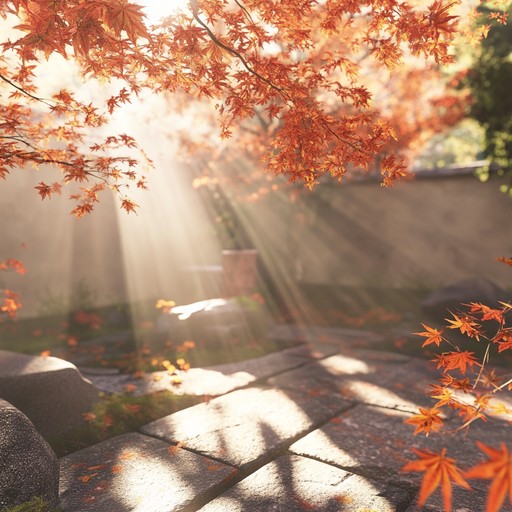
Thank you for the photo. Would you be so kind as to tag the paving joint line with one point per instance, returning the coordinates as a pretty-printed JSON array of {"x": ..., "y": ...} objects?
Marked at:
[
  {"x": 405, "y": 486},
  {"x": 251, "y": 467}
]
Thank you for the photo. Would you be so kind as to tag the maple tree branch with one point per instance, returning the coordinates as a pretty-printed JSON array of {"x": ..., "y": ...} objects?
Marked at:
[
  {"x": 343, "y": 141},
  {"x": 262, "y": 120},
  {"x": 36, "y": 156},
  {"x": 21, "y": 139},
  {"x": 238, "y": 55},
  {"x": 213, "y": 37},
  {"x": 12, "y": 137},
  {"x": 37, "y": 98},
  {"x": 247, "y": 13},
  {"x": 45, "y": 160}
]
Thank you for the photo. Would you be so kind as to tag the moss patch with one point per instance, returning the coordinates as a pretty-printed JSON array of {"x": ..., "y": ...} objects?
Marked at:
[
  {"x": 118, "y": 414},
  {"x": 34, "y": 505}
]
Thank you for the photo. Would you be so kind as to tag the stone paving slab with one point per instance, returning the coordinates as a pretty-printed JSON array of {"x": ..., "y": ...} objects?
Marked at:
[
  {"x": 314, "y": 350},
  {"x": 296, "y": 484},
  {"x": 137, "y": 473},
  {"x": 375, "y": 442},
  {"x": 213, "y": 380},
  {"x": 325, "y": 432},
  {"x": 462, "y": 501},
  {"x": 371, "y": 377},
  {"x": 246, "y": 427},
  {"x": 335, "y": 335}
]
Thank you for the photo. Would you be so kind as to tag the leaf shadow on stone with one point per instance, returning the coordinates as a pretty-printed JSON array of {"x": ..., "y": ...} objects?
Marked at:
[{"x": 330, "y": 418}]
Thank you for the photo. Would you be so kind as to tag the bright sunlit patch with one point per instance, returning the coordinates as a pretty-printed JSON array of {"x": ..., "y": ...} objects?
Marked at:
[
  {"x": 373, "y": 394},
  {"x": 188, "y": 310},
  {"x": 155, "y": 10},
  {"x": 133, "y": 485},
  {"x": 343, "y": 365}
]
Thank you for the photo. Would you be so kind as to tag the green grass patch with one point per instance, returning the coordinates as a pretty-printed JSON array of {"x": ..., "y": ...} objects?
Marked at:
[
  {"x": 36, "y": 504},
  {"x": 118, "y": 414}
]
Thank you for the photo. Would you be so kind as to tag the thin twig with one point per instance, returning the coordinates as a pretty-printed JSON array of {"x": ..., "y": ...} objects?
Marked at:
[
  {"x": 37, "y": 98},
  {"x": 503, "y": 385},
  {"x": 485, "y": 359},
  {"x": 247, "y": 13},
  {"x": 238, "y": 55}
]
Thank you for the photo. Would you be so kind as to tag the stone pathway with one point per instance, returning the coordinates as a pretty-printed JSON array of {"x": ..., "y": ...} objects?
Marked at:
[{"x": 317, "y": 427}]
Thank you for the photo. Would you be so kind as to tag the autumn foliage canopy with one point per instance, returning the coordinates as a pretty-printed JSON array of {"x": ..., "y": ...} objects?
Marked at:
[{"x": 301, "y": 68}]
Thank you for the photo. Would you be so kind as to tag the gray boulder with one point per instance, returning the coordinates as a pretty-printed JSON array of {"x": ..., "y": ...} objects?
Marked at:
[
  {"x": 28, "y": 466},
  {"x": 50, "y": 391},
  {"x": 451, "y": 297}
]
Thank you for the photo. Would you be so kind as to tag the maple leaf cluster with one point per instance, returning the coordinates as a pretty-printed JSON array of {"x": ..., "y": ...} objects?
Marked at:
[
  {"x": 10, "y": 302},
  {"x": 55, "y": 131},
  {"x": 318, "y": 110},
  {"x": 470, "y": 388},
  {"x": 294, "y": 67}
]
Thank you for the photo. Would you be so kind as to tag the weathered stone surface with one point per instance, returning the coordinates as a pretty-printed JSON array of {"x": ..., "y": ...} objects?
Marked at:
[
  {"x": 28, "y": 466},
  {"x": 314, "y": 350},
  {"x": 462, "y": 501},
  {"x": 137, "y": 473},
  {"x": 247, "y": 426},
  {"x": 371, "y": 377},
  {"x": 450, "y": 297},
  {"x": 294, "y": 484},
  {"x": 375, "y": 442},
  {"x": 333, "y": 335},
  {"x": 210, "y": 381},
  {"x": 50, "y": 391}
]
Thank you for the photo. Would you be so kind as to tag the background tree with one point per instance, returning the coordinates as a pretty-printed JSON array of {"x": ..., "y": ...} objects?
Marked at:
[{"x": 489, "y": 81}]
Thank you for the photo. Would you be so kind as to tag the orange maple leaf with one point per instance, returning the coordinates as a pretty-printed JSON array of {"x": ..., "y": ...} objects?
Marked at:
[
  {"x": 432, "y": 335},
  {"x": 497, "y": 468},
  {"x": 89, "y": 416},
  {"x": 459, "y": 361},
  {"x": 504, "y": 339},
  {"x": 442, "y": 394},
  {"x": 96, "y": 468},
  {"x": 487, "y": 312},
  {"x": 82, "y": 209},
  {"x": 44, "y": 190},
  {"x": 507, "y": 261},
  {"x": 466, "y": 325},
  {"x": 17, "y": 266},
  {"x": 462, "y": 384},
  {"x": 132, "y": 407},
  {"x": 439, "y": 470},
  {"x": 108, "y": 421},
  {"x": 123, "y": 15},
  {"x": 127, "y": 456},
  {"x": 427, "y": 420},
  {"x": 84, "y": 479},
  {"x": 440, "y": 17},
  {"x": 129, "y": 205}
]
